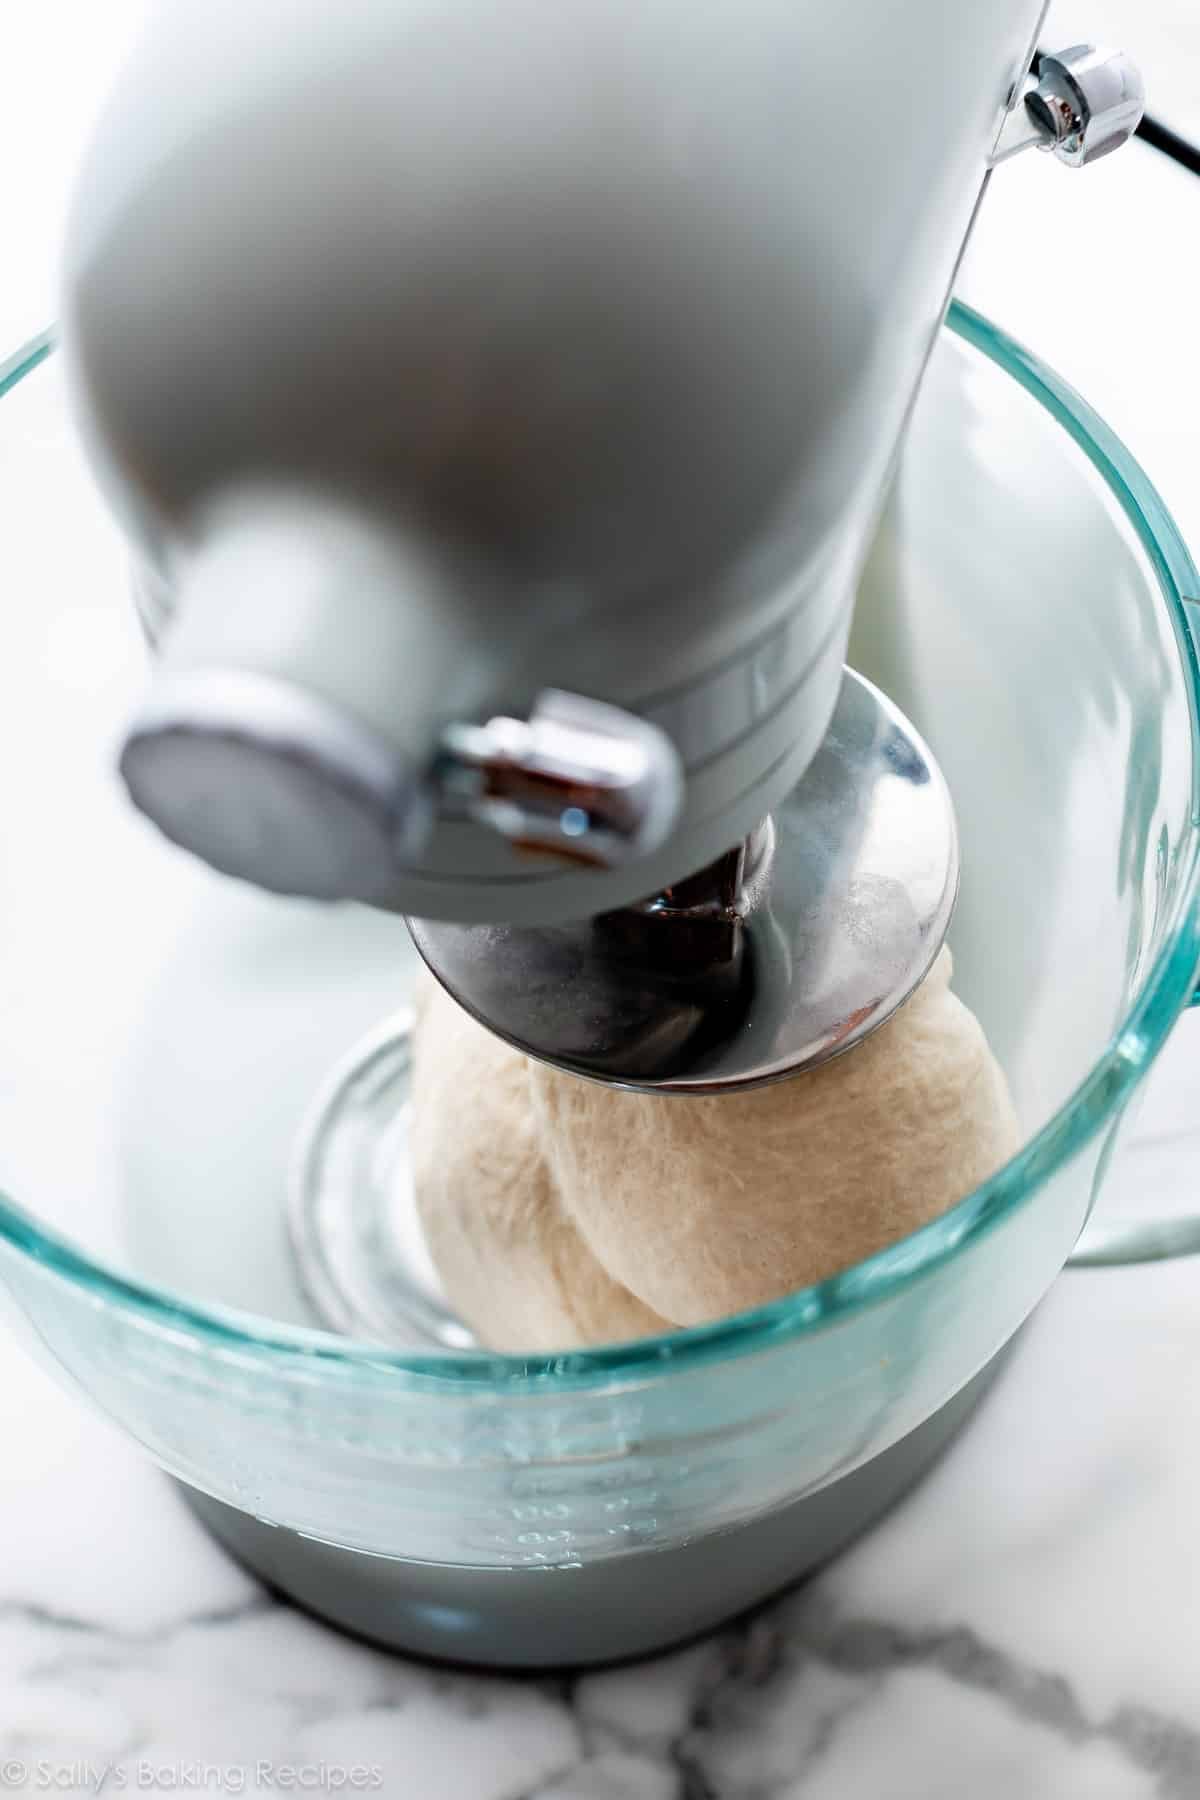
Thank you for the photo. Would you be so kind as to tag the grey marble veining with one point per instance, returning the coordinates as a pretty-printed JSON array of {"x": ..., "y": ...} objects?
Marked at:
[{"x": 797, "y": 1701}]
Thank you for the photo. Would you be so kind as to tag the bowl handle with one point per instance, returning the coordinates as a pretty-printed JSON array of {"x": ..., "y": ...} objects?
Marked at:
[{"x": 1117, "y": 1243}]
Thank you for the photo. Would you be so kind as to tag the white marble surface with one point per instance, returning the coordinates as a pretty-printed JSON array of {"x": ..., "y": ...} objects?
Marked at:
[{"x": 1027, "y": 1624}]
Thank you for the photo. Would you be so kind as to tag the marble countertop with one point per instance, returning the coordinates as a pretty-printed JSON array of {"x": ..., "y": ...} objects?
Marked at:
[{"x": 1026, "y": 1624}]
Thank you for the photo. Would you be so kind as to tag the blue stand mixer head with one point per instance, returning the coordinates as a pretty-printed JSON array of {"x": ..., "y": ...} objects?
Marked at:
[{"x": 500, "y": 400}]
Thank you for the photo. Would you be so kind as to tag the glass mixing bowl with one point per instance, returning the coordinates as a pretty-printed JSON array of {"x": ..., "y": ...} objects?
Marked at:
[{"x": 1031, "y": 607}]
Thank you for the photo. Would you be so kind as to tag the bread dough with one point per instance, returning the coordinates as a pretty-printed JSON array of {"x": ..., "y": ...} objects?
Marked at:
[
  {"x": 513, "y": 1264},
  {"x": 560, "y": 1212}
]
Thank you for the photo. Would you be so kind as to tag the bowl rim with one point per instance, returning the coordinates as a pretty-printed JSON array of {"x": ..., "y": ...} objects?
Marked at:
[{"x": 1166, "y": 989}]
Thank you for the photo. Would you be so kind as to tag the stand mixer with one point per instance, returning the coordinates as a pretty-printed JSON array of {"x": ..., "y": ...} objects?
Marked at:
[
  {"x": 499, "y": 402},
  {"x": 501, "y": 471}
]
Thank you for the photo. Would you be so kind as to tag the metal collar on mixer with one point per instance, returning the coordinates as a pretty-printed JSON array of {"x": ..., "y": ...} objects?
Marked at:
[{"x": 781, "y": 954}]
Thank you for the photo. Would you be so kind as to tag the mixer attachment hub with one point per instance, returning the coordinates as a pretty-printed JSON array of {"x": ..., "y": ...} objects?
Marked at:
[{"x": 787, "y": 951}]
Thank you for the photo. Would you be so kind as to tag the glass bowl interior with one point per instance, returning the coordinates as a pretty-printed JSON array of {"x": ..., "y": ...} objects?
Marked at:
[{"x": 1028, "y": 602}]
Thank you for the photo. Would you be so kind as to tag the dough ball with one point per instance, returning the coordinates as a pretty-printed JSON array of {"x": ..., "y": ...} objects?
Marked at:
[
  {"x": 562, "y": 1212},
  {"x": 705, "y": 1206},
  {"x": 511, "y": 1260}
]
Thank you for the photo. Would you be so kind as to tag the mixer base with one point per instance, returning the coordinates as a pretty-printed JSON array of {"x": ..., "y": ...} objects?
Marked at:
[{"x": 622, "y": 1607}]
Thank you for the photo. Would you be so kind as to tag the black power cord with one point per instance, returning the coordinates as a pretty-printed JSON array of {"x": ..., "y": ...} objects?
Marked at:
[{"x": 1160, "y": 137}]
